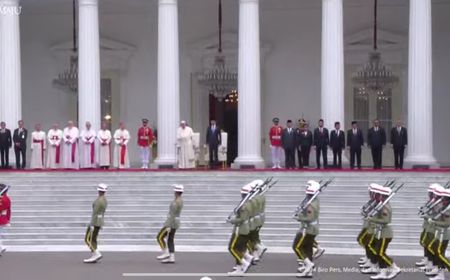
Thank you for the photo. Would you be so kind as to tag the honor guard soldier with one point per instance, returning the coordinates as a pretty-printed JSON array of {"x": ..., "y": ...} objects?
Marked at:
[
  {"x": 145, "y": 142},
  {"x": 171, "y": 225},
  {"x": 259, "y": 208},
  {"x": 383, "y": 235},
  {"x": 275, "y": 143},
  {"x": 309, "y": 229},
  {"x": 5, "y": 214},
  {"x": 366, "y": 235},
  {"x": 97, "y": 222},
  {"x": 239, "y": 237},
  {"x": 441, "y": 221}
]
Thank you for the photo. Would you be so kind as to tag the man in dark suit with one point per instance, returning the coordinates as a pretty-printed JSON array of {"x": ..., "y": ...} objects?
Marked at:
[
  {"x": 337, "y": 143},
  {"x": 20, "y": 145},
  {"x": 399, "y": 139},
  {"x": 213, "y": 140},
  {"x": 288, "y": 142},
  {"x": 321, "y": 141},
  {"x": 376, "y": 139},
  {"x": 5, "y": 144},
  {"x": 355, "y": 140},
  {"x": 304, "y": 139}
]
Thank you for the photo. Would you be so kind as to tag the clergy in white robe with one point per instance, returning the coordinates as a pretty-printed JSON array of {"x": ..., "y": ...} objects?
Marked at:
[
  {"x": 70, "y": 150},
  {"x": 104, "y": 138},
  {"x": 87, "y": 147},
  {"x": 121, "y": 138},
  {"x": 185, "y": 146},
  {"x": 54, "y": 153},
  {"x": 38, "y": 147}
]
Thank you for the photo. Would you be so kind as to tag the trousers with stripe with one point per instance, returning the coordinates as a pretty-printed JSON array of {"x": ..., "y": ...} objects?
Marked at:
[
  {"x": 253, "y": 239},
  {"x": 438, "y": 248},
  {"x": 303, "y": 246},
  {"x": 378, "y": 248},
  {"x": 425, "y": 240},
  {"x": 161, "y": 238},
  {"x": 91, "y": 238},
  {"x": 237, "y": 246},
  {"x": 364, "y": 238}
]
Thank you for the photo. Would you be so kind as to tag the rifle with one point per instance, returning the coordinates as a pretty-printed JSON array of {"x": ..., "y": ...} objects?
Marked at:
[
  {"x": 438, "y": 215},
  {"x": 4, "y": 189},
  {"x": 306, "y": 202},
  {"x": 372, "y": 202},
  {"x": 380, "y": 206},
  {"x": 425, "y": 209}
]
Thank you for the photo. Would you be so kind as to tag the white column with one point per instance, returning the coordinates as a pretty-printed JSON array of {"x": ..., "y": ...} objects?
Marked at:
[
  {"x": 88, "y": 65},
  {"x": 420, "y": 105},
  {"x": 332, "y": 94},
  {"x": 10, "y": 71},
  {"x": 249, "y": 87},
  {"x": 168, "y": 83}
]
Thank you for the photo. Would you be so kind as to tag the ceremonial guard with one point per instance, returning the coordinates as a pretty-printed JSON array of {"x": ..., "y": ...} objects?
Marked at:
[
  {"x": 87, "y": 147},
  {"x": 145, "y": 142},
  {"x": 97, "y": 221},
  {"x": 70, "y": 151},
  {"x": 104, "y": 137},
  {"x": 121, "y": 138},
  {"x": 381, "y": 217},
  {"x": 257, "y": 249},
  {"x": 54, "y": 137},
  {"x": 308, "y": 215},
  {"x": 5, "y": 213},
  {"x": 38, "y": 147},
  {"x": 275, "y": 143},
  {"x": 366, "y": 234},
  {"x": 171, "y": 225}
]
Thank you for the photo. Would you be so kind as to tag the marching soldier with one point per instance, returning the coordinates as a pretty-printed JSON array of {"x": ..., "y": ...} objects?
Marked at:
[
  {"x": 383, "y": 235},
  {"x": 239, "y": 237},
  {"x": 255, "y": 246},
  {"x": 366, "y": 235},
  {"x": 440, "y": 242},
  {"x": 97, "y": 221},
  {"x": 305, "y": 238},
  {"x": 5, "y": 213},
  {"x": 171, "y": 225}
]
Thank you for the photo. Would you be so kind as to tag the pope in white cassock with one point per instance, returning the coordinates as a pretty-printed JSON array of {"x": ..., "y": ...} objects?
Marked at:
[
  {"x": 185, "y": 146},
  {"x": 38, "y": 146},
  {"x": 87, "y": 147},
  {"x": 104, "y": 138},
  {"x": 121, "y": 138},
  {"x": 54, "y": 154},
  {"x": 70, "y": 150}
]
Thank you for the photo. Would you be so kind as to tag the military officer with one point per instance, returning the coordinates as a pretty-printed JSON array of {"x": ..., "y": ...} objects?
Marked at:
[
  {"x": 171, "y": 225},
  {"x": 309, "y": 229},
  {"x": 275, "y": 143},
  {"x": 97, "y": 221}
]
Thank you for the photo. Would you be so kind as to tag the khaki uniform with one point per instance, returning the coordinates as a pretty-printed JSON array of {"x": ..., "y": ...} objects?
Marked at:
[
  {"x": 97, "y": 221},
  {"x": 309, "y": 229},
  {"x": 171, "y": 225},
  {"x": 382, "y": 236},
  {"x": 439, "y": 243},
  {"x": 239, "y": 237}
]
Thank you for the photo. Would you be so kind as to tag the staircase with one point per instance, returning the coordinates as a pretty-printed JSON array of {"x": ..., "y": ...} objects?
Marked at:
[{"x": 51, "y": 209}]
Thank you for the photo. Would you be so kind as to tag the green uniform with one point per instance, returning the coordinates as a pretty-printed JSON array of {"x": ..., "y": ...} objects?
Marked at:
[
  {"x": 439, "y": 243},
  {"x": 382, "y": 237},
  {"x": 239, "y": 237},
  {"x": 305, "y": 238},
  {"x": 97, "y": 222},
  {"x": 171, "y": 225}
]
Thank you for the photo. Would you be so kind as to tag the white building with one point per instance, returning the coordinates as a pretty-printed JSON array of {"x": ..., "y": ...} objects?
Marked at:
[{"x": 306, "y": 64}]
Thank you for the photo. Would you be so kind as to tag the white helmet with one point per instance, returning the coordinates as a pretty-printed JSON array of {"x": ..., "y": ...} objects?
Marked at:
[
  {"x": 312, "y": 187},
  {"x": 246, "y": 189},
  {"x": 255, "y": 183},
  {"x": 439, "y": 190},
  {"x": 376, "y": 188},
  {"x": 178, "y": 188},
  {"x": 433, "y": 187},
  {"x": 102, "y": 187}
]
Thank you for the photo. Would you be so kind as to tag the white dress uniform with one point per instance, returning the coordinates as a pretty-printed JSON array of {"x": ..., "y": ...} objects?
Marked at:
[
  {"x": 121, "y": 159},
  {"x": 54, "y": 153},
  {"x": 38, "y": 147},
  {"x": 104, "y": 156},
  {"x": 87, "y": 148},
  {"x": 70, "y": 150}
]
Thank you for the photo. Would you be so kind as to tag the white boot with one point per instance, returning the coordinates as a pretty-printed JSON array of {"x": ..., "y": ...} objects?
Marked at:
[
  {"x": 363, "y": 260},
  {"x": 394, "y": 271},
  {"x": 165, "y": 254},
  {"x": 96, "y": 256},
  {"x": 382, "y": 275},
  {"x": 318, "y": 252},
  {"x": 432, "y": 272},
  {"x": 308, "y": 269},
  {"x": 367, "y": 264},
  {"x": 237, "y": 271},
  {"x": 245, "y": 265},
  {"x": 170, "y": 259},
  {"x": 422, "y": 262},
  {"x": 249, "y": 258},
  {"x": 439, "y": 276},
  {"x": 373, "y": 268},
  {"x": 429, "y": 265},
  {"x": 259, "y": 252}
]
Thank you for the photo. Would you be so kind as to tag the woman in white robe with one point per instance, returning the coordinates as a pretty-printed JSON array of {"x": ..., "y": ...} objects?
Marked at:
[
  {"x": 104, "y": 138},
  {"x": 185, "y": 147},
  {"x": 121, "y": 138},
  {"x": 38, "y": 146}
]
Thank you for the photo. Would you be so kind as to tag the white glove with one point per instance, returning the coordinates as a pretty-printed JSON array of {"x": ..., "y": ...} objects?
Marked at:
[{"x": 168, "y": 230}]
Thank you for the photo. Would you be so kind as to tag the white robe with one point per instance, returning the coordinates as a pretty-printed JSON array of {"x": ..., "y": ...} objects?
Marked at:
[
  {"x": 104, "y": 155},
  {"x": 54, "y": 151},
  {"x": 70, "y": 150},
  {"x": 38, "y": 146},
  {"x": 185, "y": 146},
  {"x": 87, "y": 149},
  {"x": 121, "y": 138}
]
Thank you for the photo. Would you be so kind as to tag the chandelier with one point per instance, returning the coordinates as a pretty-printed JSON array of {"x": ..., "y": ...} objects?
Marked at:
[
  {"x": 220, "y": 81},
  {"x": 68, "y": 79},
  {"x": 374, "y": 75}
]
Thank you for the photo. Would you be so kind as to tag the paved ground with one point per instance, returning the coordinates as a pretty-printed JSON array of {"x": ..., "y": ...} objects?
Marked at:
[{"x": 69, "y": 266}]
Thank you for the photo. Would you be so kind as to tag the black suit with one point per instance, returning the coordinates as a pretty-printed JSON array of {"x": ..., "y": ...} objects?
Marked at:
[
  {"x": 376, "y": 140},
  {"x": 355, "y": 141},
  {"x": 399, "y": 140},
  {"x": 20, "y": 146},
  {"x": 337, "y": 143},
  {"x": 213, "y": 139},
  {"x": 5, "y": 145},
  {"x": 321, "y": 141},
  {"x": 304, "y": 143},
  {"x": 288, "y": 140}
]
